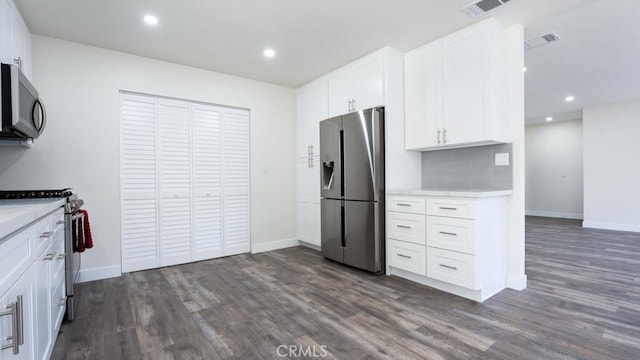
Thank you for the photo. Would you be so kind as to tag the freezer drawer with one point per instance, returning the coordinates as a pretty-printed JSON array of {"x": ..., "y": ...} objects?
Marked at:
[
  {"x": 364, "y": 231},
  {"x": 332, "y": 219}
]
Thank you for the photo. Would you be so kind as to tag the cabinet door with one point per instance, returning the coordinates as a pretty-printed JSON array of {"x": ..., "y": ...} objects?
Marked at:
[
  {"x": 207, "y": 181},
  {"x": 423, "y": 96},
  {"x": 22, "y": 291},
  {"x": 340, "y": 92},
  {"x": 174, "y": 118},
  {"x": 308, "y": 200},
  {"x": 138, "y": 181},
  {"x": 235, "y": 175},
  {"x": 18, "y": 30},
  {"x": 6, "y": 47},
  {"x": 463, "y": 59},
  {"x": 312, "y": 108},
  {"x": 44, "y": 335},
  {"x": 368, "y": 84}
]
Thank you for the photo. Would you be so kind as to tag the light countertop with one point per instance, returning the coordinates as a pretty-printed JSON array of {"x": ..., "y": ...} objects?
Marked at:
[
  {"x": 16, "y": 214},
  {"x": 476, "y": 193}
]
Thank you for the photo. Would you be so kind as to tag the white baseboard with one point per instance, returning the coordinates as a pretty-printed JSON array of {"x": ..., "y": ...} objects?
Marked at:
[
  {"x": 610, "y": 226},
  {"x": 309, "y": 245},
  {"x": 274, "y": 245},
  {"x": 554, "y": 214},
  {"x": 106, "y": 272},
  {"x": 517, "y": 282}
]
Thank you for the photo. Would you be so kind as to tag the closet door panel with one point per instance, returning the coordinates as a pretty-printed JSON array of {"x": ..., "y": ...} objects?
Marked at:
[{"x": 138, "y": 176}]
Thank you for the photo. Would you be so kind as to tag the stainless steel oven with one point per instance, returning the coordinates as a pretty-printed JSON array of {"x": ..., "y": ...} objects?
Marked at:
[{"x": 73, "y": 218}]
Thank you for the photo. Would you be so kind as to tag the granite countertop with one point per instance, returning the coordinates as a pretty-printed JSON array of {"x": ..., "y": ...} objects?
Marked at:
[
  {"x": 476, "y": 193},
  {"x": 16, "y": 214}
]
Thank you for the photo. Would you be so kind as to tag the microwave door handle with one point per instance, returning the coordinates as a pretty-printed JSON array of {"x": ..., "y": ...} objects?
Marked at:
[{"x": 40, "y": 128}]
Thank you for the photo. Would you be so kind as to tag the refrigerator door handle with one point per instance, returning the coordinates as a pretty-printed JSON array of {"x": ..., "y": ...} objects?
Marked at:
[{"x": 343, "y": 224}]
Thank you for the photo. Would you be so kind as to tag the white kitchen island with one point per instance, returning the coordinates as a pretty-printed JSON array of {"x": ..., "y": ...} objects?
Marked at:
[{"x": 451, "y": 240}]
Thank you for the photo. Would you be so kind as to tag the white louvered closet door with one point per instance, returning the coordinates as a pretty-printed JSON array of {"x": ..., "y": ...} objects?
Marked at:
[
  {"x": 138, "y": 182},
  {"x": 174, "y": 125},
  {"x": 207, "y": 182},
  {"x": 235, "y": 145}
]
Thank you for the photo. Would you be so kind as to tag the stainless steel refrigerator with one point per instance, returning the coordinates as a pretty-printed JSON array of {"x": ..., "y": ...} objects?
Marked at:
[{"x": 352, "y": 189}]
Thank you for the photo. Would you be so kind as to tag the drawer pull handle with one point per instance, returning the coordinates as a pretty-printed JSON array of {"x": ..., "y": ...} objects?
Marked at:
[
  {"x": 449, "y": 267},
  {"x": 62, "y": 301},
  {"x": 61, "y": 256},
  {"x": 399, "y": 204},
  {"x": 13, "y": 312},
  {"x": 448, "y": 233},
  {"x": 404, "y": 226},
  {"x": 448, "y": 208},
  {"x": 46, "y": 235},
  {"x": 404, "y": 256},
  {"x": 49, "y": 257},
  {"x": 61, "y": 222}
]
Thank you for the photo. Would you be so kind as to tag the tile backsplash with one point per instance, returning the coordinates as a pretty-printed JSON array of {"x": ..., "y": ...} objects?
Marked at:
[{"x": 470, "y": 168}]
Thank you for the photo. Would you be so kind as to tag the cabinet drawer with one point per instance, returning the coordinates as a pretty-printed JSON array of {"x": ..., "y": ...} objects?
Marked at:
[
  {"x": 406, "y": 227},
  {"x": 452, "y": 234},
  {"x": 458, "y": 208},
  {"x": 407, "y": 256},
  {"x": 452, "y": 267},
  {"x": 58, "y": 304},
  {"x": 407, "y": 204},
  {"x": 15, "y": 258}
]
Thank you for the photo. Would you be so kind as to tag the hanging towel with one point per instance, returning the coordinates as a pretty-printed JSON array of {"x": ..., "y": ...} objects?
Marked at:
[{"x": 87, "y": 238}]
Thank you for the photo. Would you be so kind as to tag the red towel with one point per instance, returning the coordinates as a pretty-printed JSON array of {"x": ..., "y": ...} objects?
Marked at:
[{"x": 87, "y": 238}]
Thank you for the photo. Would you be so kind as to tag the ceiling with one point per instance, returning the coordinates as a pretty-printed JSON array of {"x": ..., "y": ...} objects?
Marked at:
[{"x": 312, "y": 38}]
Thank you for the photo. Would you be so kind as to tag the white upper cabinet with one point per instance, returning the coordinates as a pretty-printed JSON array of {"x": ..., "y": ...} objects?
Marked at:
[
  {"x": 357, "y": 86},
  {"x": 455, "y": 90},
  {"x": 312, "y": 107},
  {"x": 15, "y": 39}
]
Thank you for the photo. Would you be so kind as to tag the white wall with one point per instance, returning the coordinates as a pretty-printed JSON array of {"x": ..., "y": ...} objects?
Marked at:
[
  {"x": 611, "y": 167},
  {"x": 80, "y": 147},
  {"x": 554, "y": 169}
]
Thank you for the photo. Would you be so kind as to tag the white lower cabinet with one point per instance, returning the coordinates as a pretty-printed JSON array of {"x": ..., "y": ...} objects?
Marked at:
[
  {"x": 33, "y": 305},
  {"x": 18, "y": 320},
  {"x": 454, "y": 244}
]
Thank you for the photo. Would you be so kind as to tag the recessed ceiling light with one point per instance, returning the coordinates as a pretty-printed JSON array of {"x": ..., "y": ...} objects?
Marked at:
[
  {"x": 549, "y": 118},
  {"x": 151, "y": 20},
  {"x": 569, "y": 98},
  {"x": 269, "y": 53}
]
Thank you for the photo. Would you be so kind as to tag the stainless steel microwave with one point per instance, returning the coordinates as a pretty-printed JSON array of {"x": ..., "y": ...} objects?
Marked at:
[{"x": 23, "y": 113}]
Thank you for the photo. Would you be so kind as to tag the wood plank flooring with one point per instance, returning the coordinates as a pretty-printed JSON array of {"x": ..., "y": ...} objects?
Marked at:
[{"x": 582, "y": 302}]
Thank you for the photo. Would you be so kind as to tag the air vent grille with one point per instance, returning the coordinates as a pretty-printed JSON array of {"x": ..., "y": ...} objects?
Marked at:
[
  {"x": 478, "y": 8},
  {"x": 541, "y": 40}
]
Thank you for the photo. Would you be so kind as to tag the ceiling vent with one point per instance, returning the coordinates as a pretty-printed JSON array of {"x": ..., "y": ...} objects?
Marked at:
[
  {"x": 478, "y": 8},
  {"x": 541, "y": 40}
]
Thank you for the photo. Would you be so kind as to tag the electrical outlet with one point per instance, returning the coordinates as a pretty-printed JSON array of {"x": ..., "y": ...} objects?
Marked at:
[{"x": 502, "y": 159}]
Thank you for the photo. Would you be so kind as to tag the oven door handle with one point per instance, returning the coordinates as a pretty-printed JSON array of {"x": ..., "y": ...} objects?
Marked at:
[{"x": 77, "y": 216}]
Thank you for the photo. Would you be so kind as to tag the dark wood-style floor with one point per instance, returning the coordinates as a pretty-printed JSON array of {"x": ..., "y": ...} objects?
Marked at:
[{"x": 582, "y": 302}]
